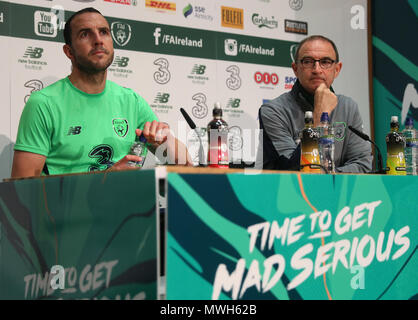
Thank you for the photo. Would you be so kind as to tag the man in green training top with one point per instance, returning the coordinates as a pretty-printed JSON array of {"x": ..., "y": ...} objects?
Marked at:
[{"x": 85, "y": 123}]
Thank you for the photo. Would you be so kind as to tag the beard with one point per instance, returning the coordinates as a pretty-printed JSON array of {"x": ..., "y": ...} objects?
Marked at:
[{"x": 87, "y": 66}]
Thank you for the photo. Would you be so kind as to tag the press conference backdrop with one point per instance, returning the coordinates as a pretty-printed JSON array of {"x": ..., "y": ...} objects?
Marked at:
[
  {"x": 395, "y": 60},
  {"x": 183, "y": 53}
]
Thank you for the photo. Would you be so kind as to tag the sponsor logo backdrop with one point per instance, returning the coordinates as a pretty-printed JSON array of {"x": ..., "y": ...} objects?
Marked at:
[{"x": 175, "y": 54}]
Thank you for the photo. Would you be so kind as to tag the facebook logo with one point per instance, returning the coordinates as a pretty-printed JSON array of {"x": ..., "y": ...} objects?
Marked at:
[{"x": 157, "y": 35}]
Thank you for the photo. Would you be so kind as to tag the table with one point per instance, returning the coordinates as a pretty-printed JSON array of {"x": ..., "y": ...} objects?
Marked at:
[{"x": 223, "y": 234}]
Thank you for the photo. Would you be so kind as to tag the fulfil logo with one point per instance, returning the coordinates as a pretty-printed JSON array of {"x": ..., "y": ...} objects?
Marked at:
[
  {"x": 232, "y": 17},
  {"x": 45, "y": 24},
  {"x": 161, "y": 5}
]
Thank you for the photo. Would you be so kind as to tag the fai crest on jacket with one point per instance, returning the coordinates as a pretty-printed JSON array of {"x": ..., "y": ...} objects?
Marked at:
[
  {"x": 120, "y": 126},
  {"x": 339, "y": 130}
]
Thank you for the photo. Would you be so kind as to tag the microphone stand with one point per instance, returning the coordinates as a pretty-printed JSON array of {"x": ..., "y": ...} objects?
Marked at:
[
  {"x": 192, "y": 125},
  {"x": 379, "y": 154}
]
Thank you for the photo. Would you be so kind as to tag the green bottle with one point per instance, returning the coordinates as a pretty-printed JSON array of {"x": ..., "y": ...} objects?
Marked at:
[{"x": 395, "y": 144}]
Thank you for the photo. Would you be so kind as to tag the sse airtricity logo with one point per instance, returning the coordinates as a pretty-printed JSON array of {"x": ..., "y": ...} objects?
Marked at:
[{"x": 187, "y": 11}]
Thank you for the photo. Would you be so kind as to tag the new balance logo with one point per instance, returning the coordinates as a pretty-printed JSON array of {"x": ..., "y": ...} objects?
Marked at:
[
  {"x": 233, "y": 103},
  {"x": 121, "y": 62},
  {"x": 199, "y": 69},
  {"x": 34, "y": 53},
  {"x": 162, "y": 97},
  {"x": 74, "y": 131}
]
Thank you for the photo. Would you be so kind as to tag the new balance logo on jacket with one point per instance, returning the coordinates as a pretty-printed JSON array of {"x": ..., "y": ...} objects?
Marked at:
[{"x": 74, "y": 131}]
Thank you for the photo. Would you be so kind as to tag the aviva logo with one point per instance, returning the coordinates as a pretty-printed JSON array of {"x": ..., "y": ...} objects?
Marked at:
[{"x": 163, "y": 5}]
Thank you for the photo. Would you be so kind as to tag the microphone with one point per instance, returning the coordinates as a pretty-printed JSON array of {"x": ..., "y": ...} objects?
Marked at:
[
  {"x": 192, "y": 126},
  {"x": 379, "y": 154},
  {"x": 189, "y": 120}
]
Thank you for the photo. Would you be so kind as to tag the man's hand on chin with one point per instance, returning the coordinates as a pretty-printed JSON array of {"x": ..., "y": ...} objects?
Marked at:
[{"x": 324, "y": 101}]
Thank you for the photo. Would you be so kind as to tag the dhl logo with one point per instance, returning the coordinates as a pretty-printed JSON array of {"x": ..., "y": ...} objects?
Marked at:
[{"x": 160, "y": 5}]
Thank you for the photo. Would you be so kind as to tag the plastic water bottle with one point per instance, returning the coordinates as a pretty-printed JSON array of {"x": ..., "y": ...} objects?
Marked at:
[
  {"x": 326, "y": 143},
  {"x": 139, "y": 149},
  {"x": 309, "y": 157},
  {"x": 235, "y": 145},
  {"x": 411, "y": 147},
  {"x": 395, "y": 146},
  {"x": 218, "y": 140}
]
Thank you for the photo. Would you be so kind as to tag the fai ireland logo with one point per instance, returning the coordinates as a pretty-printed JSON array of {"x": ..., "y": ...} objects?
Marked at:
[
  {"x": 293, "y": 49},
  {"x": 121, "y": 127},
  {"x": 296, "y": 4},
  {"x": 339, "y": 130},
  {"x": 121, "y": 33}
]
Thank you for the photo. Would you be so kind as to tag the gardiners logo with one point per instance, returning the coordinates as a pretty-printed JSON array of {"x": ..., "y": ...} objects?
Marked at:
[{"x": 232, "y": 17}]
